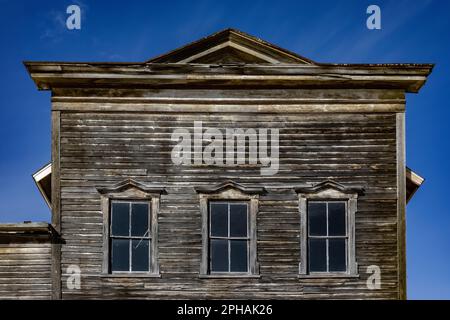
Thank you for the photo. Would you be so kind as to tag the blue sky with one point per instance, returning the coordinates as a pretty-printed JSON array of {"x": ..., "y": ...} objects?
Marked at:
[{"x": 325, "y": 31}]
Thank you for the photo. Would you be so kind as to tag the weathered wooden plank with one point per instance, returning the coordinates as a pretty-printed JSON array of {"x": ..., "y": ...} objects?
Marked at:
[
  {"x": 25, "y": 270},
  {"x": 132, "y": 140},
  {"x": 56, "y": 203}
]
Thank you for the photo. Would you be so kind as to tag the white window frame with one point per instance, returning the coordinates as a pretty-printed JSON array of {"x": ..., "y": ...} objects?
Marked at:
[
  {"x": 148, "y": 237},
  {"x": 229, "y": 238},
  {"x": 329, "y": 191},
  {"x": 230, "y": 191},
  {"x": 131, "y": 191}
]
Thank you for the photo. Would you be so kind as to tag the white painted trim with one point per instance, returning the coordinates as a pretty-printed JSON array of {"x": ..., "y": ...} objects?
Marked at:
[
  {"x": 414, "y": 177},
  {"x": 42, "y": 173},
  {"x": 329, "y": 194},
  {"x": 233, "y": 45},
  {"x": 401, "y": 205},
  {"x": 38, "y": 176}
]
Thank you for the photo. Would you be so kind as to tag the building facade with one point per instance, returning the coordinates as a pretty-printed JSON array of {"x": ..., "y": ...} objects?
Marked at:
[{"x": 228, "y": 168}]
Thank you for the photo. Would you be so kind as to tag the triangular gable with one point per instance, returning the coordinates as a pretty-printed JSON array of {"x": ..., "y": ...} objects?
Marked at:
[{"x": 231, "y": 46}]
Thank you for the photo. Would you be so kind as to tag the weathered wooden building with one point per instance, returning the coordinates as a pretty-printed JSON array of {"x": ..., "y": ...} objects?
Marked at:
[{"x": 317, "y": 210}]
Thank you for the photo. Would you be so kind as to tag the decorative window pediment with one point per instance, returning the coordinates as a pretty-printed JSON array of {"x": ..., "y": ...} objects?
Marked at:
[
  {"x": 129, "y": 188},
  {"x": 330, "y": 188},
  {"x": 327, "y": 235},
  {"x": 230, "y": 188},
  {"x": 130, "y": 228},
  {"x": 221, "y": 206}
]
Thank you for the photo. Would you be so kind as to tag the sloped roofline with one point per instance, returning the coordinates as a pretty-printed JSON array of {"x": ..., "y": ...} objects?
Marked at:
[
  {"x": 228, "y": 33},
  {"x": 413, "y": 182},
  {"x": 174, "y": 69},
  {"x": 41, "y": 177}
]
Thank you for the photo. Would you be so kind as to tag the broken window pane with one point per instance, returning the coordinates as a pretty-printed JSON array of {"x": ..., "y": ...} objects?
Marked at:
[
  {"x": 130, "y": 243},
  {"x": 139, "y": 219},
  {"x": 336, "y": 219},
  {"x": 238, "y": 220},
  {"x": 140, "y": 255}
]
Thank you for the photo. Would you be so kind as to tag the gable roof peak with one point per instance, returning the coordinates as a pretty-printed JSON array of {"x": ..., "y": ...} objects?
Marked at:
[{"x": 231, "y": 46}]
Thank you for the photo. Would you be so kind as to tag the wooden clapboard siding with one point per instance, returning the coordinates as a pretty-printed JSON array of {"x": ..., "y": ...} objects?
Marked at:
[
  {"x": 25, "y": 271},
  {"x": 113, "y": 122},
  {"x": 110, "y": 135}
]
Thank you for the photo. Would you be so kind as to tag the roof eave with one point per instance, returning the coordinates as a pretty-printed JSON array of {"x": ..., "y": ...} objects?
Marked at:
[
  {"x": 27, "y": 227},
  {"x": 49, "y": 75},
  {"x": 413, "y": 182},
  {"x": 38, "y": 176}
]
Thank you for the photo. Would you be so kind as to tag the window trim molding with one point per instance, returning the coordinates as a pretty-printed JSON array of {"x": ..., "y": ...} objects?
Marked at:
[
  {"x": 229, "y": 238},
  {"x": 130, "y": 190},
  {"x": 229, "y": 191},
  {"x": 328, "y": 190}
]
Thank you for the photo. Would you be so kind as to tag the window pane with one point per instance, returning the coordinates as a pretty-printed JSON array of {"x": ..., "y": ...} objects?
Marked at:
[
  {"x": 238, "y": 220},
  {"x": 120, "y": 218},
  {"x": 238, "y": 256},
  {"x": 337, "y": 257},
  {"x": 219, "y": 255},
  {"x": 139, "y": 219},
  {"x": 140, "y": 255},
  {"x": 120, "y": 255},
  {"x": 317, "y": 255},
  {"x": 336, "y": 219},
  {"x": 317, "y": 217},
  {"x": 219, "y": 219}
]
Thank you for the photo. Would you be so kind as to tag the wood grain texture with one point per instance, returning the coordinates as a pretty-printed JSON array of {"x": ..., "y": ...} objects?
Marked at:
[
  {"x": 401, "y": 204},
  {"x": 25, "y": 270},
  {"x": 100, "y": 148},
  {"x": 56, "y": 203}
]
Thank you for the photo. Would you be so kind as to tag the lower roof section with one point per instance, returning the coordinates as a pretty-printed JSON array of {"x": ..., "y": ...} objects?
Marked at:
[
  {"x": 413, "y": 183},
  {"x": 27, "y": 232},
  {"x": 43, "y": 180}
]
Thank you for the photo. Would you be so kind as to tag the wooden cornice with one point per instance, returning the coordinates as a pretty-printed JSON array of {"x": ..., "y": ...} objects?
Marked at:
[
  {"x": 51, "y": 75},
  {"x": 227, "y": 59}
]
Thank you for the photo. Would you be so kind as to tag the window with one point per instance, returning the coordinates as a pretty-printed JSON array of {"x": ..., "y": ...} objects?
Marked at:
[
  {"x": 327, "y": 234},
  {"x": 229, "y": 213},
  {"x": 130, "y": 236},
  {"x": 130, "y": 229},
  {"x": 228, "y": 237}
]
